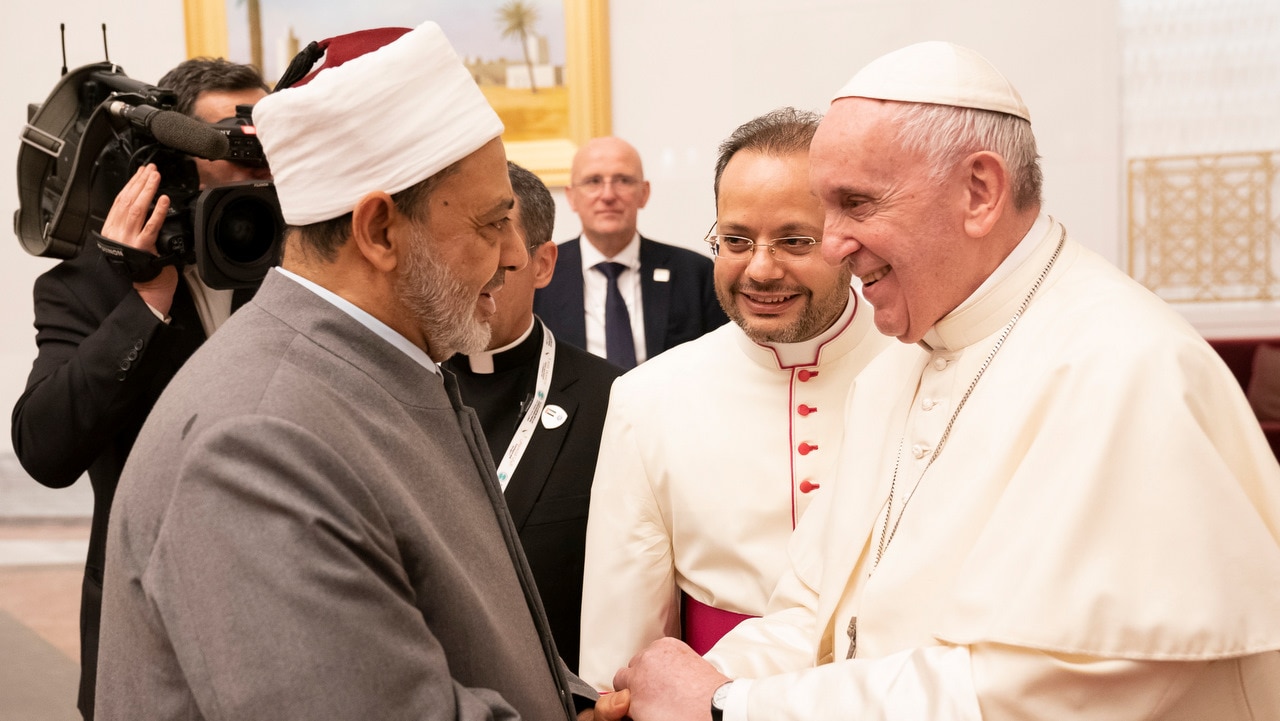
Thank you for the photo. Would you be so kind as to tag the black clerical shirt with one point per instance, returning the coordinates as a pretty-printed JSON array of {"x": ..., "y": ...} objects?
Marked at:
[{"x": 501, "y": 391}]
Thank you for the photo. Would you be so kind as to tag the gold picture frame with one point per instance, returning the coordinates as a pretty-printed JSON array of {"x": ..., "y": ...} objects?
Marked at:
[{"x": 587, "y": 78}]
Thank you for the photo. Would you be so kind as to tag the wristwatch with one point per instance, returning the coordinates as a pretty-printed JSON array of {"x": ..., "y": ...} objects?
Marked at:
[{"x": 718, "y": 700}]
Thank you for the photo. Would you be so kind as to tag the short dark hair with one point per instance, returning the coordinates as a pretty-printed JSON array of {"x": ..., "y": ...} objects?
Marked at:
[
  {"x": 325, "y": 237},
  {"x": 202, "y": 75},
  {"x": 777, "y": 132},
  {"x": 537, "y": 209}
]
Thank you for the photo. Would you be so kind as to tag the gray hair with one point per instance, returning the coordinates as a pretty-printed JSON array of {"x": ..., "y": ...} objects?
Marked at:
[
  {"x": 946, "y": 134},
  {"x": 537, "y": 209},
  {"x": 777, "y": 132}
]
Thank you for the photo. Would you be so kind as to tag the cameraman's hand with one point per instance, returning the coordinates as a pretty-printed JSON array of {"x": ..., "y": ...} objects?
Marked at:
[{"x": 127, "y": 223}]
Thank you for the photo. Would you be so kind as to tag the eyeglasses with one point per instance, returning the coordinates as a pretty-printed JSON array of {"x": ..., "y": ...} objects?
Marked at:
[
  {"x": 595, "y": 184},
  {"x": 735, "y": 247}
]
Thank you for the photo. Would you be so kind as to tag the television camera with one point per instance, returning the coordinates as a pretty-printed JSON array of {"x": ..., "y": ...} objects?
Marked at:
[{"x": 96, "y": 128}]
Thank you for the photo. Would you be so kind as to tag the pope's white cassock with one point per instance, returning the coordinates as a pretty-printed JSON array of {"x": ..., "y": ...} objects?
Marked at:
[
  {"x": 1105, "y": 506},
  {"x": 710, "y": 453}
]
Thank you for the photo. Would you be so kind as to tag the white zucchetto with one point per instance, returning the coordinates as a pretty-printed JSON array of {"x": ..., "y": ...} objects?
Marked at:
[{"x": 938, "y": 73}]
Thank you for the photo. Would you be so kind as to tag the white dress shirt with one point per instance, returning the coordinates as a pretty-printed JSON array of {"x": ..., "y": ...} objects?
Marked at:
[{"x": 594, "y": 286}]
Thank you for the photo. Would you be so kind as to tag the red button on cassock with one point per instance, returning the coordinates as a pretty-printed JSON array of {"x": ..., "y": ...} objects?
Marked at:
[
  {"x": 807, "y": 487},
  {"x": 806, "y": 374},
  {"x": 806, "y": 410},
  {"x": 805, "y": 449}
]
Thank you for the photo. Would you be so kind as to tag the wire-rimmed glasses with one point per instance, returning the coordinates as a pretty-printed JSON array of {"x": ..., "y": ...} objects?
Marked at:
[{"x": 738, "y": 248}]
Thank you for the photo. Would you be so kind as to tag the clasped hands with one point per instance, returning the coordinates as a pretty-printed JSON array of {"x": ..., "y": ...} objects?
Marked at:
[{"x": 667, "y": 681}]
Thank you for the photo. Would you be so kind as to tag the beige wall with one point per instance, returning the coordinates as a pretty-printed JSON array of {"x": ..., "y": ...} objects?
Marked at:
[
  {"x": 686, "y": 72},
  {"x": 145, "y": 37}
]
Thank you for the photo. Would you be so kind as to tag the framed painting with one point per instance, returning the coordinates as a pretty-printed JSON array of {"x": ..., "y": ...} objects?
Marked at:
[{"x": 543, "y": 64}]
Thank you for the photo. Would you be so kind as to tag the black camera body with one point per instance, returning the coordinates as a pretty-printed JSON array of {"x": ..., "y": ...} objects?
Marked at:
[{"x": 90, "y": 136}]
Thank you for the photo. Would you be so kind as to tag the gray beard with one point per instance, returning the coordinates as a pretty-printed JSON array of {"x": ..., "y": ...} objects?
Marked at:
[{"x": 441, "y": 305}]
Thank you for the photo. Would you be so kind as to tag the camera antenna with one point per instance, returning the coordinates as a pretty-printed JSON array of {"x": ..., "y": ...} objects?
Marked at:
[
  {"x": 62, "y": 30},
  {"x": 105, "y": 55}
]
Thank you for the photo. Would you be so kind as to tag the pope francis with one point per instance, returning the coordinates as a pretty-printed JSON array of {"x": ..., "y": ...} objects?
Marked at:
[{"x": 1067, "y": 510}]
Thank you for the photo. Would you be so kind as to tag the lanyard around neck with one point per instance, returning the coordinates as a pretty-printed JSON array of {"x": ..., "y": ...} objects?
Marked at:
[{"x": 529, "y": 421}]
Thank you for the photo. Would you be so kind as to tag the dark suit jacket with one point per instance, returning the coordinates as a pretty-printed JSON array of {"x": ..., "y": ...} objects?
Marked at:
[
  {"x": 550, "y": 491},
  {"x": 310, "y": 528},
  {"x": 676, "y": 310},
  {"x": 103, "y": 358}
]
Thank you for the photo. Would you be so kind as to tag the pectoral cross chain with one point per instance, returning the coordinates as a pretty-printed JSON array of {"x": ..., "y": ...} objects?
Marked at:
[{"x": 853, "y": 637}]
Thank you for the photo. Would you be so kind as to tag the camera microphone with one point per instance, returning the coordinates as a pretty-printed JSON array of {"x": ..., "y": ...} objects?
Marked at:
[{"x": 174, "y": 129}]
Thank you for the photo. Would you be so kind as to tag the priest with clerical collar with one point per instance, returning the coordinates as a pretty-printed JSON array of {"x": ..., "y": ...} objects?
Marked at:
[
  {"x": 713, "y": 450},
  {"x": 541, "y": 404},
  {"x": 499, "y": 382}
]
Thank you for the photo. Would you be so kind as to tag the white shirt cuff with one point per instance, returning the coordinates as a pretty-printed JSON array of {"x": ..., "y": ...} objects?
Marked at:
[
  {"x": 163, "y": 318},
  {"x": 735, "y": 704}
]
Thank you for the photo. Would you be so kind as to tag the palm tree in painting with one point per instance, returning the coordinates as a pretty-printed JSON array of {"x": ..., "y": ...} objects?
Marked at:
[
  {"x": 255, "y": 32},
  {"x": 518, "y": 17}
]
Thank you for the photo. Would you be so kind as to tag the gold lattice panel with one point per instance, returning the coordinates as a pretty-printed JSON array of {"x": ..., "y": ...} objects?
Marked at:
[{"x": 1205, "y": 227}]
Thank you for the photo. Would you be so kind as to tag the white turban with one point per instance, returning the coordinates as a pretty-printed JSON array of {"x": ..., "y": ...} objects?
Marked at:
[
  {"x": 937, "y": 73},
  {"x": 384, "y": 120}
]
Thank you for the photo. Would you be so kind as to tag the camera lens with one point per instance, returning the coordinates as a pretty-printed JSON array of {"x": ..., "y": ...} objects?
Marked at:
[
  {"x": 246, "y": 231},
  {"x": 239, "y": 231}
]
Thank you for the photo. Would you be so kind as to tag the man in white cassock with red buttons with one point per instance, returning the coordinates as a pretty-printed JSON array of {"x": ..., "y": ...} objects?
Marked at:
[
  {"x": 1065, "y": 508},
  {"x": 713, "y": 450}
]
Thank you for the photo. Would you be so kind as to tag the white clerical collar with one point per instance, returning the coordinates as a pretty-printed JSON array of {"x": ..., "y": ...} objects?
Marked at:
[
  {"x": 988, "y": 308},
  {"x": 628, "y": 256},
  {"x": 383, "y": 330},
  {"x": 482, "y": 362},
  {"x": 840, "y": 339},
  {"x": 1021, "y": 252}
]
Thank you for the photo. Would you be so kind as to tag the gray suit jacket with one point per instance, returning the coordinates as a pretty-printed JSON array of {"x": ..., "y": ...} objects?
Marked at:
[{"x": 309, "y": 527}]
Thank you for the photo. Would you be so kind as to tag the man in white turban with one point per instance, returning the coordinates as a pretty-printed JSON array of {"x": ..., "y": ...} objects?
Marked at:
[
  {"x": 1066, "y": 509},
  {"x": 309, "y": 526}
]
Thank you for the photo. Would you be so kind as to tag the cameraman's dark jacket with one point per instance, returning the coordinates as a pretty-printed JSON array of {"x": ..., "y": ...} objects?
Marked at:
[{"x": 103, "y": 360}]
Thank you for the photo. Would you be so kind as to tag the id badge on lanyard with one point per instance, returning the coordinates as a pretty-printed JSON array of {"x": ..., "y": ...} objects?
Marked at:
[{"x": 529, "y": 421}]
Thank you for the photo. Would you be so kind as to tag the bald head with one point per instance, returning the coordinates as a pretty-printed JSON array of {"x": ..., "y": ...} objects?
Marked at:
[
  {"x": 607, "y": 189},
  {"x": 608, "y": 148}
]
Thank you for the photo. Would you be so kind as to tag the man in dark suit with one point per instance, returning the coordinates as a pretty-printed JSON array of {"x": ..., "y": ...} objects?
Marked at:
[
  {"x": 108, "y": 346},
  {"x": 542, "y": 405},
  {"x": 618, "y": 281}
]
